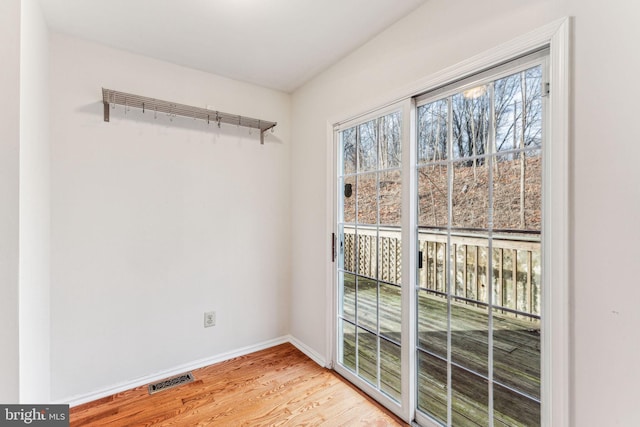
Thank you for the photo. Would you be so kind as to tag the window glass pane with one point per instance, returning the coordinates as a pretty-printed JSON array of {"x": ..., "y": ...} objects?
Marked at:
[
  {"x": 472, "y": 284},
  {"x": 432, "y": 274},
  {"x": 390, "y": 368},
  {"x": 470, "y": 194},
  {"x": 459, "y": 269},
  {"x": 470, "y": 400},
  {"x": 469, "y": 268},
  {"x": 533, "y": 105},
  {"x": 368, "y": 356},
  {"x": 432, "y": 323},
  {"x": 348, "y": 334},
  {"x": 512, "y": 409},
  {"x": 533, "y": 190},
  {"x": 349, "y": 151},
  {"x": 432, "y": 196},
  {"x": 516, "y": 275},
  {"x": 367, "y": 252},
  {"x": 517, "y": 191},
  {"x": 390, "y": 197},
  {"x": 348, "y": 249},
  {"x": 348, "y": 296},
  {"x": 390, "y": 250},
  {"x": 432, "y": 386},
  {"x": 516, "y": 352},
  {"x": 536, "y": 281},
  {"x": 367, "y": 303},
  {"x": 367, "y": 196},
  {"x": 504, "y": 274},
  {"x": 390, "y": 142},
  {"x": 349, "y": 199},
  {"x": 523, "y": 281},
  {"x": 368, "y": 146},
  {"x": 432, "y": 131},
  {"x": 390, "y": 311},
  {"x": 482, "y": 271},
  {"x": 470, "y": 121},
  {"x": 470, "y": 336},
  {"x": 518, "y": 110},
  {"x": 508, "y": 112}
]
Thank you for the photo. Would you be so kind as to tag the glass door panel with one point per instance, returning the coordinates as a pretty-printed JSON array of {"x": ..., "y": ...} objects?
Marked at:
[
  {"x": 370, "y": 255},
  {"x": 479, "y": 192}
]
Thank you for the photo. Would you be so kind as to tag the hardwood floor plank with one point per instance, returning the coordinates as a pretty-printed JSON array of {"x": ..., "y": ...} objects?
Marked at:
[{"x": 279, "y": 386}]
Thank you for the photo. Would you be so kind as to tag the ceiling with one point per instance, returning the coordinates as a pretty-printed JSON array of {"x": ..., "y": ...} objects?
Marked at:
[{"x": 278, "y": 44}]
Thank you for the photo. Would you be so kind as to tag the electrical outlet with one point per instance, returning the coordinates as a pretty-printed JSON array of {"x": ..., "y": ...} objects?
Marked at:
[{"x": 209, "y": 319}]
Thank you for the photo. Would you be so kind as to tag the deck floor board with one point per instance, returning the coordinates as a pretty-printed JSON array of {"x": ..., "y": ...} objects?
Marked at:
[{"x": 516, "y": 354}]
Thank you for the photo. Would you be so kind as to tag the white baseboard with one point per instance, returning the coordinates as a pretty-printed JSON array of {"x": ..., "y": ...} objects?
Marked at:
[
  {"x": 118, "y": 388},
  {"x": 312, "y": 354}
]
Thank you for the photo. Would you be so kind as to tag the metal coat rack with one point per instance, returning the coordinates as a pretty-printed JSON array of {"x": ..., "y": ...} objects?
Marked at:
[{"x": 174, "y": 109}]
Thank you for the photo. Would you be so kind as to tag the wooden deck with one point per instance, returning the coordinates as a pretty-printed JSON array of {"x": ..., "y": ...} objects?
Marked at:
[{"x": 516, "y": 356}]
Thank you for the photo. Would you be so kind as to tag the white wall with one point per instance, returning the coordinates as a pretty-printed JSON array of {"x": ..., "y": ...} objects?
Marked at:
[
  {"x": 605, "y": 195},
  {"x": 9, "y": 202},
  {"x": 155, "y": 222},
  {"x": 606, "y": 208},
  {"x": 34, "y": 271}
]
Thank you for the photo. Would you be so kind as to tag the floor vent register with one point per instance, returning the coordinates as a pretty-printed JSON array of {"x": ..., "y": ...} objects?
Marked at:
[{"x": 171, "y": 382}]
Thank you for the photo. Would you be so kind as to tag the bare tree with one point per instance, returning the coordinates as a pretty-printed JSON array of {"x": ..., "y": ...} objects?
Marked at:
[{"x": 513, "y": 106}]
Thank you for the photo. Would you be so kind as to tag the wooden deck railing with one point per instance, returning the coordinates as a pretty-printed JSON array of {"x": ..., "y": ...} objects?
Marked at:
[
  {"x": 515, "y": 261},
  {"x": 385, "y": 254}
]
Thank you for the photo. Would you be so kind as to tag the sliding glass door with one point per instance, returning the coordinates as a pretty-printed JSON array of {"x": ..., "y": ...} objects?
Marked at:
[{"x": 439, "y": 295}]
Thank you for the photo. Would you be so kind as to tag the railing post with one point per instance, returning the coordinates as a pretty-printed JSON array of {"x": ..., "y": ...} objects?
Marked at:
[
  {"x": 529, "y": 290},
  {"x": 476, "y": 274},
  {"x": 465, "y": 249}
]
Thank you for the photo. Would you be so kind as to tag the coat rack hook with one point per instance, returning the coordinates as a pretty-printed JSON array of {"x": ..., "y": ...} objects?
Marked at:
[{"x": 171, "y": 109}]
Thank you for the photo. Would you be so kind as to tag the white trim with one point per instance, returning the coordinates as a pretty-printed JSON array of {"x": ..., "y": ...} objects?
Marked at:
[
  {"x": 308, "y": 351},
  {"x": 556, "y": 275},
  {"x": 409, "y": 272},
  {"x": 142, "y": 381},
  {"x": 332, "y": 227},
  {"x": 363, "y": 118}
]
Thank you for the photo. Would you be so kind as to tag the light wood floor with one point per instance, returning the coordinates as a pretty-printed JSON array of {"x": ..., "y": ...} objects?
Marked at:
[{"x": 279, "y": 386}]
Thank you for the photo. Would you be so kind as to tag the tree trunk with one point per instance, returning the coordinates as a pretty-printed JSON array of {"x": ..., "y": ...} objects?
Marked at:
[{"x": 523, "y": 89}]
